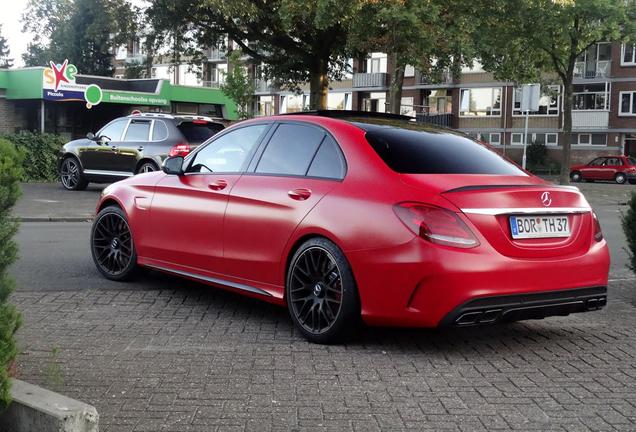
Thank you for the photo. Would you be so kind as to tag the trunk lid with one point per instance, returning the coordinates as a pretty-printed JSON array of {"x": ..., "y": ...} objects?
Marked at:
[{"x": 488, "y": 202}]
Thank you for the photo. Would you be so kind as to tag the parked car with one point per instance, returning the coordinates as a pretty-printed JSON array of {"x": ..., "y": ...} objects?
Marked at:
[
  {"x": 131, "y": 145},
  {"x": 621, "y": 169},
  {"x": 341, "y": 216}
]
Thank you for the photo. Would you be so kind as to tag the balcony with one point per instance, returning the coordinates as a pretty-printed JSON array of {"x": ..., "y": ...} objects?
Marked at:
[
  {"x": 587, "y": 120},
  {"x": 263, "y": 86},
  {"x": 215, "y": 54},
  {"x": 210, "y": 84},
  {"x": 369, "y": 80},
  {"x": 599, "y": 69},
  {"x": 445, "y": 120},
  {"x": 446, "y": 77}
]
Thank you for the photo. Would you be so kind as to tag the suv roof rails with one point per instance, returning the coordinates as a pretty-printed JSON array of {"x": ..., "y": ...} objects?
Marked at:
[
  {"x": 182, "y": 117},
  {"x": 351, "y": 113}
]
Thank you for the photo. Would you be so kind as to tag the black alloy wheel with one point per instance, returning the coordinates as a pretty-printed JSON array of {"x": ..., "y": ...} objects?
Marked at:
[
  {"x": 112, "y": 244},
  {"x": 71, "y": 175},
  {"x": 321, "y": 292}
]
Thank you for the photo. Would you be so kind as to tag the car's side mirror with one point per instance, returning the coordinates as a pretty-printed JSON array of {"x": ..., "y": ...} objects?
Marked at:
[
  {"x": 102, "y": 140},
  {"x": 173, "y": 165},
  {"x": 90, "y": 136}
]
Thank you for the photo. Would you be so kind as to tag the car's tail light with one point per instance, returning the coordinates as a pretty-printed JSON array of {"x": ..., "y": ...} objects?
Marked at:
[
  {"x": 200, "y": 122},
  {"x": 598, "y": 233},
  {"x": 436, "y": 225},
  {"x": 182, "y": 150}
]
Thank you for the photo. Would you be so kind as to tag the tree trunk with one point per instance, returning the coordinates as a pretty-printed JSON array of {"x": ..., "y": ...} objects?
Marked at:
[
  {"x": 319, "y": 84},
  {"x": 395, "y": 87},
  {"x": 566, "y": 156}
]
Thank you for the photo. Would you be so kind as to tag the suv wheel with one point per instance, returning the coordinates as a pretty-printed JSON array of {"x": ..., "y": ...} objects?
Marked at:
[
  {"x": 321, "y": 292},
  {"x": 620, "y": 178},
  {"x": 147, "y": 167},
  {"x": 71, "y": 175}
]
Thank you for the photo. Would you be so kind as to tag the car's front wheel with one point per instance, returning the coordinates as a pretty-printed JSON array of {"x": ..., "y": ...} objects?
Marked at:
[
  {"x": 321, "y": 292},
  {"x": 575, "y": 176},
  {"x": 620, "y": 178},
  {"x": 112, "y": 245},
  {"x": 71, "y": 175}
]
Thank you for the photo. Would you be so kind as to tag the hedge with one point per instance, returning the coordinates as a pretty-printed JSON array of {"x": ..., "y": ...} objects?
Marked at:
[
  {"x": 10, "y": 175},
  {"x": 39, "y": 153},
  {"x": 629, "y": 227}
]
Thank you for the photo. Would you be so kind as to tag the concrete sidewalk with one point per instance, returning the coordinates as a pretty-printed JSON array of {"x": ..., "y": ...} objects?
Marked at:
[{"x": 44, "y": 202}]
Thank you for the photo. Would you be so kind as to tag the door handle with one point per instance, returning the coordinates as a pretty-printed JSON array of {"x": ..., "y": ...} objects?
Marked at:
[
  {"x": 218, "y": 185},
  {"x": 300, "y": 194},
  {"x": 140, "y": 148},
  {"x": 113, "y": 148}
]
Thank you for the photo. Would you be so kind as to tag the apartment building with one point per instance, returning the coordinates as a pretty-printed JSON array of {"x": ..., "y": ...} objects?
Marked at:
[{"x": 604, "y": 116}]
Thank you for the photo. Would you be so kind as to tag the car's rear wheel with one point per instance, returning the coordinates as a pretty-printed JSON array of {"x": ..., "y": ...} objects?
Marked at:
[
  {"x": 620, "y": 178},
  {"x": 71, "y": 175},
  {"x": 147, "y": 167},
  {"x": 112, "y": 245},
  {"x": 575, "y": 176},
  {"x": 321, "y": 292}
]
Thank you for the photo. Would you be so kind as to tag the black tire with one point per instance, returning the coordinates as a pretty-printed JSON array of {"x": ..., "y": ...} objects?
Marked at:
[
  {"x": 321, "y": 293},
  {"x": 71, "y": 175},
  {"x": 620, "y": 178},
  {"x": 147, "y": 166},
  {"x": 575, "y": 176},
  {"x": 112, "y": 245}
]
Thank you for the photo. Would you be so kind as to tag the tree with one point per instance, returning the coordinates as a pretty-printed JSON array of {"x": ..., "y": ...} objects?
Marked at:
[
  {"x": 134, "y": 70},
  {"x": 5, "y": 61},
  {"x": 239, "y": 85},
  {"x": 523, "y": 40},
  {"x": 84, "y": 31},
  {"x": 297, "y": 41},
  {"x": 628, "y": 221},
  {"x": 426, "y": 34}
]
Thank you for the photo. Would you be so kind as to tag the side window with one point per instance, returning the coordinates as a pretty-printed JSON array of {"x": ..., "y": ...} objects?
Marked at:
[
  {"x": 114, "y": 130},
  {"x": 328, "y": 162},
  {"x": 597, "y": 162},
  {"x": 159, "y": 131},
  {"x": 228, "y": 153},
  {"x": 138, "y": 130},
  {"x": 290, "y": 150}
]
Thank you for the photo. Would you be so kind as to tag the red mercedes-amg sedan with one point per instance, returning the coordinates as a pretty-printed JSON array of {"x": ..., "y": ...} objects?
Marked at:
[{"x": 344, "y": 215}]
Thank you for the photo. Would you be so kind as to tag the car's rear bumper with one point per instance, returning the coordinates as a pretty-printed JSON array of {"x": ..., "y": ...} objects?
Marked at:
[
  {"x": 496, "y": 309},
  {"x": 422, "y": 285}
]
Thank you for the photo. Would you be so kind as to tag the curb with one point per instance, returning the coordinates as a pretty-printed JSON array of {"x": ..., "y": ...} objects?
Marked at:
[
  {"x": 55, "y": 219},
  {"x": 37, "y": 409}
]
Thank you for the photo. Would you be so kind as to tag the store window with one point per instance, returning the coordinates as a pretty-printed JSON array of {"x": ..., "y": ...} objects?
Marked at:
[
  {"x": 481, "y": 102},
  {"x": 548, "y": 103}
]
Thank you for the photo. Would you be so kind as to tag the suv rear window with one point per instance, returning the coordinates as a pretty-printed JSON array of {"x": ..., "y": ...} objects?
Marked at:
[
  {"x": 197, "y": 133},
  {"x": 418, "y": 149}
]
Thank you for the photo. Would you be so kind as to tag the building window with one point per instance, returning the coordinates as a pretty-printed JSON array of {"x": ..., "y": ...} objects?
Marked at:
[
  {"x": 481, "y": 102},
  {"x": 439, "y": 102},
  {"x": 594, "y": 62},
  {"x": 548, "y": 139},
  {"x": 548, "y": 103},
  {"x": 406, "y": 106},
  {"x": 591, "y": 97},
  {"x": 628, "y": 55},
  {"x": 586, "y": 139},
  {"x": 409, "y": 71},
  {"x": 627, "y": 104},
  {"x": 265, "y": 106}
]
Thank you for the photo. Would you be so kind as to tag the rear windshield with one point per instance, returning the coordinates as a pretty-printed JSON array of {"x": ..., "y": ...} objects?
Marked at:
[
  {"x": 416, "y": 149},
  {"x": 197, "y": 133}
]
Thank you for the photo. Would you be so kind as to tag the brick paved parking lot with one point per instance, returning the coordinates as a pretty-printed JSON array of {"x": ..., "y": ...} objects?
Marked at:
[
  {"x": 195, "y": 359},
  {"x": 163, "y": 354}
]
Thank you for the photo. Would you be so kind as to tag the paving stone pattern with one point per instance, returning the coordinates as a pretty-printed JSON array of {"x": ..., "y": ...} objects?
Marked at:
[{"x": 201, "y": 359}]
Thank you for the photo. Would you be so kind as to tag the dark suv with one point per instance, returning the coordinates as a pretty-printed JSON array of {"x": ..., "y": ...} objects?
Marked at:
[{"x": 131, "y": 145}]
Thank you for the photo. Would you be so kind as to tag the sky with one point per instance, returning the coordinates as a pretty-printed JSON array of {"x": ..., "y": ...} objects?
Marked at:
[{"x": 10, "y": 18}]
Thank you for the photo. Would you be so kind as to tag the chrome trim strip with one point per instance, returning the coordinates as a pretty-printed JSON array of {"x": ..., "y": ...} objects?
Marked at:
[
  {"x": 526, "y": 210},
  {"x": 108, "y": 173},
  {"x": 212, "y": 280}
]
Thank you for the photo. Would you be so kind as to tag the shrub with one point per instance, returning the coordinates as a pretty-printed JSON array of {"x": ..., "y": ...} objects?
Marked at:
[
  {"x": 629, "y": 227},
  {"x": 10, "y": 174},
  {"x": 537, "y": 153},
  {"x": 40, "y": 153}
]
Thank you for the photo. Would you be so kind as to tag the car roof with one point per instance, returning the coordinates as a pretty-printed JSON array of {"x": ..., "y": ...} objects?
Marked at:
[{"x": 179, "y": 117}]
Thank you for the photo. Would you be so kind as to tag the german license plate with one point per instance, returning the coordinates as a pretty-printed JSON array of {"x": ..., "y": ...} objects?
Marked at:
[{"x": 524, "y": 227}]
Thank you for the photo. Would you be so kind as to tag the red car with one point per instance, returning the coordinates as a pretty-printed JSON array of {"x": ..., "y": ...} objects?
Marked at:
[
  {"x": 620, "y": 169},
  {"x": 342, "y": 216}
]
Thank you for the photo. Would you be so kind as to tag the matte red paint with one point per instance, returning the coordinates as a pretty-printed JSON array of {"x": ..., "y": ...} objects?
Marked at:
[{"x": 245, "y": 231}]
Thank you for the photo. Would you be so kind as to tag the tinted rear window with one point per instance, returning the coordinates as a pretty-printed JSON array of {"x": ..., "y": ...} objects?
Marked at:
[
  {"x": 426, "y": 150},
  {"x": 196, "y": 133}
]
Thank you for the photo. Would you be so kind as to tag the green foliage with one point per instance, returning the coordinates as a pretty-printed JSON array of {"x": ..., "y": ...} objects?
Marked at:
[
  {"x": 85, "y": 32},
  {"x": 298, "y": 41},
  {"x": 5, "y": 61},
  {"x": 629, "y": 227},
  {"x": 537, "y": 153},
  {"x": 39, "y": 153},
  {"x": 239, "y": 85},
  {"x": 134, "y": 70},
  {"x": 10, "y": 173}
]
